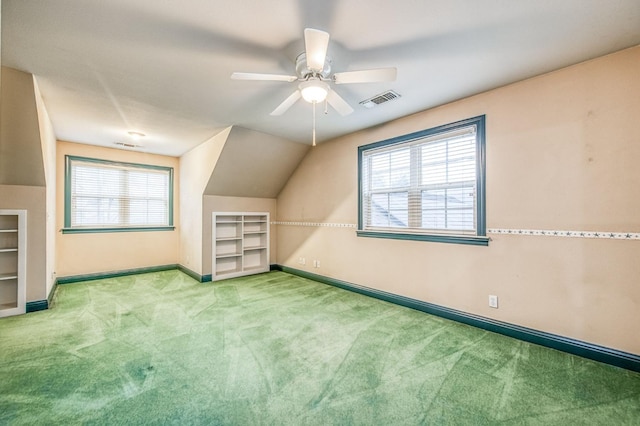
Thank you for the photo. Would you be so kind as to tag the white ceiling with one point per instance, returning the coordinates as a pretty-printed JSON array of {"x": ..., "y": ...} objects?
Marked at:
[{"x": 162, "y": 67}]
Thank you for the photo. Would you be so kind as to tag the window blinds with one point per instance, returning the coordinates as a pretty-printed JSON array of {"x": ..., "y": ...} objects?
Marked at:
[
  {"x": 424, "y": 184},
  {"x": 104, "y": 194}
]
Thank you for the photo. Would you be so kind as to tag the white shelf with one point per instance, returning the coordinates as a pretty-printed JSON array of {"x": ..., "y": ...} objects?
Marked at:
[
  {"x": 240, "y": 244},
  {"x": 8, "y": 276},
  {"x": 13, "y": 240},
  {"x": 226, "y": 255}
]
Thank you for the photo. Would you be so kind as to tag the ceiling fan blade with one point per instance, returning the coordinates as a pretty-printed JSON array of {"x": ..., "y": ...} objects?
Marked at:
[
  {"x": 338, "y": 103},
  {"x": 287, "y": 103},
  {"x": 315, "y": 46},
  {"x": 366, "y": 76},
  {"x": 262, "y": 77}
]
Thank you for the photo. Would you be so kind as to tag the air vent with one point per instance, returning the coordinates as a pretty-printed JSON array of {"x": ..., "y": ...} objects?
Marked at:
[
  {"x": 128, "y": 145},
  {"x": 387, "y": 96}
]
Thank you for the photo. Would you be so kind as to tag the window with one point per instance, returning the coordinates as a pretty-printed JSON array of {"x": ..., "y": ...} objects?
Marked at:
[
  {"x": 107, "y": 196},
  {"x": 427, "y": 185}
]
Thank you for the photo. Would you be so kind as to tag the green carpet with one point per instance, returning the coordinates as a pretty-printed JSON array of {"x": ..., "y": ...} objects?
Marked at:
[{"x": 276, "y": 349}]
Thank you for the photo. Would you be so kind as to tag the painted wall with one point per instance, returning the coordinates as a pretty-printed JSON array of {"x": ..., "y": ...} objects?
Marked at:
[
  {"x": 48, "y": 143},
  {"x": 562, "y": 152},
  {"x": 79, "y": 254},
  {"x": 196, "y": 167}
]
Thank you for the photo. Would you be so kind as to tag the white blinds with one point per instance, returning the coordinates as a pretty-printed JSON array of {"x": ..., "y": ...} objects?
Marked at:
[
  {"x": 423, "y": 184},
  {"x": 104, "y": 194}
]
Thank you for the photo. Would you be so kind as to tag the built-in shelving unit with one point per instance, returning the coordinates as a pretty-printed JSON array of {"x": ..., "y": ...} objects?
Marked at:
[
  {"x": 13, "y": 241},
  {"x": 240, "y": 244}
]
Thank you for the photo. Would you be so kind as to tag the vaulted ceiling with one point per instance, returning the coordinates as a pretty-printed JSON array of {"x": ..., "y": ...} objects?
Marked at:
[{"x": 162, "y": 67}]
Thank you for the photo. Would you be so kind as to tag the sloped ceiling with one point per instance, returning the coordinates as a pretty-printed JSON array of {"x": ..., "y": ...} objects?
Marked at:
[
  {"x": 21, "y": 161},
  {"x": 163, "y": 67},
  {"x": 254, "y": 164}
]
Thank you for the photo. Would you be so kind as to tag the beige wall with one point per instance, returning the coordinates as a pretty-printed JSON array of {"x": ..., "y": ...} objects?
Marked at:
[
  {"x": 79, "y": 254},
  {"x": 215, "y": 203},
  {"x": 562, "y": 150},
  {"x": 196, "y": 167},
  {"x": 48, "y": 143}
]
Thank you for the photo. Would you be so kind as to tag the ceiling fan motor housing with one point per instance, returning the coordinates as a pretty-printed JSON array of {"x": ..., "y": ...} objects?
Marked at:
[{"x": 303, "y": 71}]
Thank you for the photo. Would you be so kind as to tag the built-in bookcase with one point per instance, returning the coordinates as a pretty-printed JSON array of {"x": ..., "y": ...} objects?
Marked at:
[
  {"x": 13, "y": 246},
  {"x": 240, "y": 244}
]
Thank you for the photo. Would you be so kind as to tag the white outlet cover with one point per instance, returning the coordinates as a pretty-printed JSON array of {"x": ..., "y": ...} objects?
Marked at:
[{"x": 493, "y": 301}]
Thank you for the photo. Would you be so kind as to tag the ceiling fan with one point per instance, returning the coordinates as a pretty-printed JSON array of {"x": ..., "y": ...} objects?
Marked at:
[{"x": 313, "y": 72}]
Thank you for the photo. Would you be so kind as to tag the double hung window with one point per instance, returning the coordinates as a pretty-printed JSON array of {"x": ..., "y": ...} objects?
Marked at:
[
  {"x": 106, "y": 196},
  {"x": 428, "y": 185}
]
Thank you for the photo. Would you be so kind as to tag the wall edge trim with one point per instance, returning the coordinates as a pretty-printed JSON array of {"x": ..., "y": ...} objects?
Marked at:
[{"x": 569, "y": 345}]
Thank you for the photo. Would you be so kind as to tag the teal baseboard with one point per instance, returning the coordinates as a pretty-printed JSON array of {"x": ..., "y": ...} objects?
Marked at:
[
  {"x": 196, "y": 276},
  {"x": 37, "y": 305},
  {"x": 576, "y": 347},
  {"x": 189, "y": 272},
  {"x": 114, "y": 274},
  {"x": 41, "y": 305}
]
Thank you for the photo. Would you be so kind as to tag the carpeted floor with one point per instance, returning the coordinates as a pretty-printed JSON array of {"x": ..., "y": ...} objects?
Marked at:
[{"x": 276, "y": 349}]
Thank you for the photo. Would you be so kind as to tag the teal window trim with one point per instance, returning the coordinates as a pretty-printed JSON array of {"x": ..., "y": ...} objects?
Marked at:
[
  {"x": 68, "y": 229},
  {"x": 120, "y": 229},
  {"x": 436, "y": 238},
  {"x": 480, "y": 237}
]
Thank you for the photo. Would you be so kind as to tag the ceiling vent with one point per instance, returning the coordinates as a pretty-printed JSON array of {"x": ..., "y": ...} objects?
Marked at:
[
  {"x": 387, "y": 96},
  {"x": 128, "y": 145}
]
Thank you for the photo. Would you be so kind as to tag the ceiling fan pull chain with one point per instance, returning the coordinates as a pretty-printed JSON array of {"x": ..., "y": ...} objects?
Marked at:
[
  {"x": 314, "y": 125},
  {"x": 326, "y": 106}
]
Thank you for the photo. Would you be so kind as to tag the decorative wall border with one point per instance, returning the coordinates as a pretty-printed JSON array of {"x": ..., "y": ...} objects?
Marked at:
[
  {"x": 501, "y": 231},
  {"x": 567, "y": 234},
  {"x": 317, "y": 224}
]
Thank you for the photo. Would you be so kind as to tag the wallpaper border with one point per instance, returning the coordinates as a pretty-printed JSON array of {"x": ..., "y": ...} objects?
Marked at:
[{"x": 496, "y": 231}]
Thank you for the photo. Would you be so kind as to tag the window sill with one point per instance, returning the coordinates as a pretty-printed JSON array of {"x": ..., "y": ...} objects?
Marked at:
[
  {"x": 107, "y": 230},
  {"x": 453, "y": 239}
]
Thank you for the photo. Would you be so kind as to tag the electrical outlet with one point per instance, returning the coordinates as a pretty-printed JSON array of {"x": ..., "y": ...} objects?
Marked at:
[
  {"x": 302, "y": 260},
  {"x": 316, "y": 263},
  {"x": 493, "y": 301}
]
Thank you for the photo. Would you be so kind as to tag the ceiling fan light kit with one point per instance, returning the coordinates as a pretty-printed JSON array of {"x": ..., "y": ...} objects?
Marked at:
[
  {"x": 313, "y": 71},
  {"x": 314, "y": 90}
]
